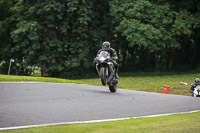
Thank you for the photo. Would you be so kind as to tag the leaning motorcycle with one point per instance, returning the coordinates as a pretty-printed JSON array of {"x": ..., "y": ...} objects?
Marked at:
[
  {"x": 106, "y": 70},
  {"x": 196, "y": 92}
]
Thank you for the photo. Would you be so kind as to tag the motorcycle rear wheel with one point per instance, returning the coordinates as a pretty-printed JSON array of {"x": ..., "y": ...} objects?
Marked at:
[
  {"x": 113, "y": 88},
  {"x": 103, "y": 75}
]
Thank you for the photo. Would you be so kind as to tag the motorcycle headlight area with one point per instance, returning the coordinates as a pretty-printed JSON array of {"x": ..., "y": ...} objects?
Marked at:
[{"x": 102, "y": 59}]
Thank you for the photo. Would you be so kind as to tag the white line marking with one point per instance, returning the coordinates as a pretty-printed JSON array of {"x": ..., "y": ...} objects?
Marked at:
[{"x": 92, "y": 121}]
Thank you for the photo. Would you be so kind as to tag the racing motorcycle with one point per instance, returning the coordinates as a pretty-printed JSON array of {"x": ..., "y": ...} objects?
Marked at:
[
  {"x": 196, "y": 92},
  {"x": 106, "y": 70}
]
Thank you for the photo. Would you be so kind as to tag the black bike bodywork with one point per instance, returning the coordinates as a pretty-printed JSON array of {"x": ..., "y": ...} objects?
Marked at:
[{"x": 106, "y": 70}]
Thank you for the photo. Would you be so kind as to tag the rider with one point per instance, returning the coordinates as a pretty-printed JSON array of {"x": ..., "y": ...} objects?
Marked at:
[
  {"x": 197, "y": 82},
  {"x": 113, "y": 54}
]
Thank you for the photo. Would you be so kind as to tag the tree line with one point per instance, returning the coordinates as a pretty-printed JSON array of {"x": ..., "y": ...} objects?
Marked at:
[{"x": 63, "y": 37}]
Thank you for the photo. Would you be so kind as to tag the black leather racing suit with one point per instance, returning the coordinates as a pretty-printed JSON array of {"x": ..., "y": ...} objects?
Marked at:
[
  {"x": 114, "y": 56},
  {"x": 193, "y": 86}
]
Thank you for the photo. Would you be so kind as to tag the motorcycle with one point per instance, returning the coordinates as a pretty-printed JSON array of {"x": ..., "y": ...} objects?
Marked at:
[
  {"x": 196, "y": 92},
  {"x": 106, "y": 70}
]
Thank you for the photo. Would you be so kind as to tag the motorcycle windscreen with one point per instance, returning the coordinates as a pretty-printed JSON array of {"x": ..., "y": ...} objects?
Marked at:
[{"x": 104, "y": 54}]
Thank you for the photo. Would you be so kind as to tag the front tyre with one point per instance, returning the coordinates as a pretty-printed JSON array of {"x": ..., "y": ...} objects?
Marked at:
[
  {"x": 113, "y": 88},
  {"x": 103, "y": 75}
]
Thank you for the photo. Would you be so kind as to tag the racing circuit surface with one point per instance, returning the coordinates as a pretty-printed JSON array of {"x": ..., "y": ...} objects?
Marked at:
[{"x": 35, "y": 103}]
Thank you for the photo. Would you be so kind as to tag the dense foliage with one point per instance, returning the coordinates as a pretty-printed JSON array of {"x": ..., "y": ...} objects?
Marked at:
[{"x": 62, "y": 37}]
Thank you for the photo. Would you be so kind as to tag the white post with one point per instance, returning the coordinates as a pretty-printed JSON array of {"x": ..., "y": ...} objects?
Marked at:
[{"x": 11, "y": 60}]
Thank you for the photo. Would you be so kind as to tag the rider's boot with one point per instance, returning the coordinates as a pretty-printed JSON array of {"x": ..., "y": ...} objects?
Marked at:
[{"x": 116, "y": 74}]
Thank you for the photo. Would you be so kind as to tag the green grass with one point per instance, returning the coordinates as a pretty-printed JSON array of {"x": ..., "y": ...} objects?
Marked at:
[
  {"x": 37, "y": 79},
  {"x": 179, "y": 123},
  {"x": 153, "y": 82}
]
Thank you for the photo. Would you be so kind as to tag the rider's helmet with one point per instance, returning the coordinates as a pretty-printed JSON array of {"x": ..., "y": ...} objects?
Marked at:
[
  {"x": 197, "y": 80},
  {"x": 106, "y": 46}
]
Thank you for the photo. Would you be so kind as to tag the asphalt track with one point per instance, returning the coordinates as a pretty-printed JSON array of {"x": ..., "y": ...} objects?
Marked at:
[{"x": 23, "y": 104}]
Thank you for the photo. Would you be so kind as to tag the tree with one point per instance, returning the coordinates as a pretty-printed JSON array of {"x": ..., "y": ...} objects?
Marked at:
[
  {"x": 6, "y": 43},
  {"x": 57, "y": 35},
  {"x": 154, "y": 26},
  {"x": 63, "y": 37}
]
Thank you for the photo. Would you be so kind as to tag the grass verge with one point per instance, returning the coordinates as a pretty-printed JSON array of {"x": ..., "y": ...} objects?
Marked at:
[
  {"x": 37, "y": 79},
  {"x": 179, "y": 123},
  {"x": 153, "y": 82}
]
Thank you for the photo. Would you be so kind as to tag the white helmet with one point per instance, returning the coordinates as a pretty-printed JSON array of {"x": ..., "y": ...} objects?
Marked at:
[{"x": 106, "y": 46}]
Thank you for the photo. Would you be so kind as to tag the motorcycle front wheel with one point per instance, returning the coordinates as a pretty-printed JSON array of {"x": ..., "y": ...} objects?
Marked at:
[
  {"x": 103, "y": 75},
  {"x": 113, "y": 88}
]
